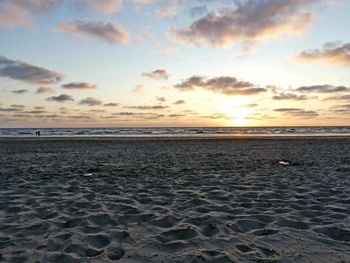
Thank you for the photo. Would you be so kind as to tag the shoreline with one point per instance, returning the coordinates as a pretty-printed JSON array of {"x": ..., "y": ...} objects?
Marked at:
[{"x": 172, "y": 138}]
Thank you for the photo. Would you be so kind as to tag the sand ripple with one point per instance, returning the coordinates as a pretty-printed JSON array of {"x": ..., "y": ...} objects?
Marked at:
[{"x": 175, "y": 201}]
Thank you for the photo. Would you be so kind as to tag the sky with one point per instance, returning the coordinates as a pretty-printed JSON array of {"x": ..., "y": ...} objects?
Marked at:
[{"x": 150, "y": 63}]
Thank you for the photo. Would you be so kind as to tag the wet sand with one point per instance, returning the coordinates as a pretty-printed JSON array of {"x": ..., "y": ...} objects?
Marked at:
[{"x": 183, "y": 200}]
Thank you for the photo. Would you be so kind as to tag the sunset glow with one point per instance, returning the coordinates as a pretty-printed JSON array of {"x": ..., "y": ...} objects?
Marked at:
[{"x": 174, "y": 63}]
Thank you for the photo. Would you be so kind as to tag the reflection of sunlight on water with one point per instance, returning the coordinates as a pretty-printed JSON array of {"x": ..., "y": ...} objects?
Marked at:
[
  {"x": 240, "y": 122},
  {"x": 236, "y": 109}
]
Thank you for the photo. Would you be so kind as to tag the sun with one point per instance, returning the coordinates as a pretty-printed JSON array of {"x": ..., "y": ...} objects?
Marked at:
[{"x": 237, "y": 110}]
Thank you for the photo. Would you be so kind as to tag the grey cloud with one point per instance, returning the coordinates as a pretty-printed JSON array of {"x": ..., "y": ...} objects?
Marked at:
[
  {"x": 18, "y": 106},
  {"x": 37, "y": 6},
  {"x": 342, "y": 109},
  {"x": 323, "y": 89},
  {"x": 297, "y": 112},
  {"x": 157, "y": 74},
  {"x": 289, "y": 96},
  {"x": 139, "y": 115},
  {"x": 176, "y": 115},
  {"x": 198, "y": 10},
  {"x": 97, "y": 111},
  {"x": 111, "y": 104},
  {"x": 124, "y": 113},
  {"x": 341, "y": 97},
  {"x": 79, "y": 85},
  {"x": 331, "y": 53},
  {"x": 36, "y": 112},
  {"x": 161, "y": 99},
  {"x": 346, "y": 106},
  {"x": 79, "y": 117},
  {"x": 12, "y": 109},
  {"x": 19, "y": 91},
  {"x": 287, "y": 109},
  {"x": 250, "y": 20},
  {"x": 90, "y": 101},
  {"x": 179, "y": 102},
  {"x": 101, "y": 31},
  {"x": 61, "y": 98},
  {"x": 21, "y": 115},
  {"x": 21, "y": 71},
  {"x": 154, "y": 107},
  {"x": 225, "y": 85},
  {"x": 43, "y": 89}
]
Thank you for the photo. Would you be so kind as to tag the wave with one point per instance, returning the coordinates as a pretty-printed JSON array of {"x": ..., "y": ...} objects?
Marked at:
[{"x": 160, "y": 132}]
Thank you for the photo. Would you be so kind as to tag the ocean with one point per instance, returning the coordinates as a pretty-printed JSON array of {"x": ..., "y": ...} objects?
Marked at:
[{"x": 176, "y": 132}]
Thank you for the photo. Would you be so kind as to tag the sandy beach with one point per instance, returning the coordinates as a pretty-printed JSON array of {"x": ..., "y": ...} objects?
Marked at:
[{"x": 183, "y": 200}]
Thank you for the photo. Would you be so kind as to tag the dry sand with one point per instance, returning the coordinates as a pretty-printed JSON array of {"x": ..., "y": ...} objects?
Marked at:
[{"x": 175, "y": 200}]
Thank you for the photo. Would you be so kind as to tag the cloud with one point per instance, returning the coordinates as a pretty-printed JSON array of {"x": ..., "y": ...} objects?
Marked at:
[
  {"x": 323, "y": 89},
  {"x": 37, "y": 6},
  {"x": 251, "y": 105},
  {"x": 198, "y": 10},
  {"x": 44, "y": 89},
  {"x": 225, "y": 85},
  {"x": 179, "y": 102},
  {"x": 20, "y": 91},
  {"x": 250, "y": 20},
  {"x": 11, "y": 109},
  {"x": 142, "y": 1},
  {"x": 216, "y": 116},
  {"x": 79, "y": 85},
  {"x": 341, "y": 97},
  {"x": 18, "y": 106},
  {"x": 107, "y": 7},
  {"x": 61, "y": 98},
  {"x": 296, "y": 112},
  {"x": 176, "y": 115},
  {"x": 90, "y": 101},
  {"x": 15, "y": 13},
  {"x": 13, "y": 16},
  {"x": 167, "y": 12},
  {"x": 289, "y": 96},
  {"x": 138, "y": 88},
  {"x": 25, "y": 72},
  {"x": 160, "y": 99},
  {"x": 111, "y": 104},
  {"x": 157, "y": 74},
  {"x": 342, "y": 109},
  {"x": 154, "y": 107},
  {"x": 36, "y": 112},
  {"x": 334, "y": 54},
  {"x": 169, "y": 50},
  {"x": 139, "y": 115},
  {"x": 125, "y": 113},
  {"x": 100, "y": 31}
]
